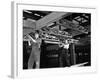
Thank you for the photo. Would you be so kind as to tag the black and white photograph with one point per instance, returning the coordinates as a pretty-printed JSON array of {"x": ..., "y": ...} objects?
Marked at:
[
  {"x": 50, "y": 40},
  {"x": 56, "y": 39},
  {"x": 53, "y": 40}
]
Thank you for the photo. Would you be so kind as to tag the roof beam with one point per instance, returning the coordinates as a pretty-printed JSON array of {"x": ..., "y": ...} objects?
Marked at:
[
  {"x": 71, "y": 25},
  {"x": 52, "y": 17},
  {"x": 29, "y": 23},
  {"x": 28, "y": 26}
]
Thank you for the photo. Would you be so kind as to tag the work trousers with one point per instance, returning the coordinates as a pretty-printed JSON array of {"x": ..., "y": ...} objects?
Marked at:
[
  {"x": 34, "y": 59},
  {"x": 64, "y": 58}
]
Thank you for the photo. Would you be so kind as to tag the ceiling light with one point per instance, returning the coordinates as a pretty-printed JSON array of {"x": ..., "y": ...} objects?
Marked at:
[
  {"x": 36, "y": 14},
  {"x": 27, "y": 11}
]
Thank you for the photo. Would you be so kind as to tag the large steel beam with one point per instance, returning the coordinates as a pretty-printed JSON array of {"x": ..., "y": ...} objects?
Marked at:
[
  {"x": 71, "y": 25},
  {"x": 29, "y": 23},
  {"x": 27, "y": 30},
  {"x": 52, "y": 17},
  {"x": 28, "y": 26}
]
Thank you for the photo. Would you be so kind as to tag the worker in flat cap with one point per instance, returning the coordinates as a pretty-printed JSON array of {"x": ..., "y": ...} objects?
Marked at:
[
  {"x": 35, "y": 43},
  {"x": 64, "y": 59}
]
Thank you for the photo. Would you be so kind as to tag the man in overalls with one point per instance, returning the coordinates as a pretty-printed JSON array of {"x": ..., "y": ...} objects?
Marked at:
[
  {"x": 34, "y": 59},
  {"x": 64, "y": 59}
]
